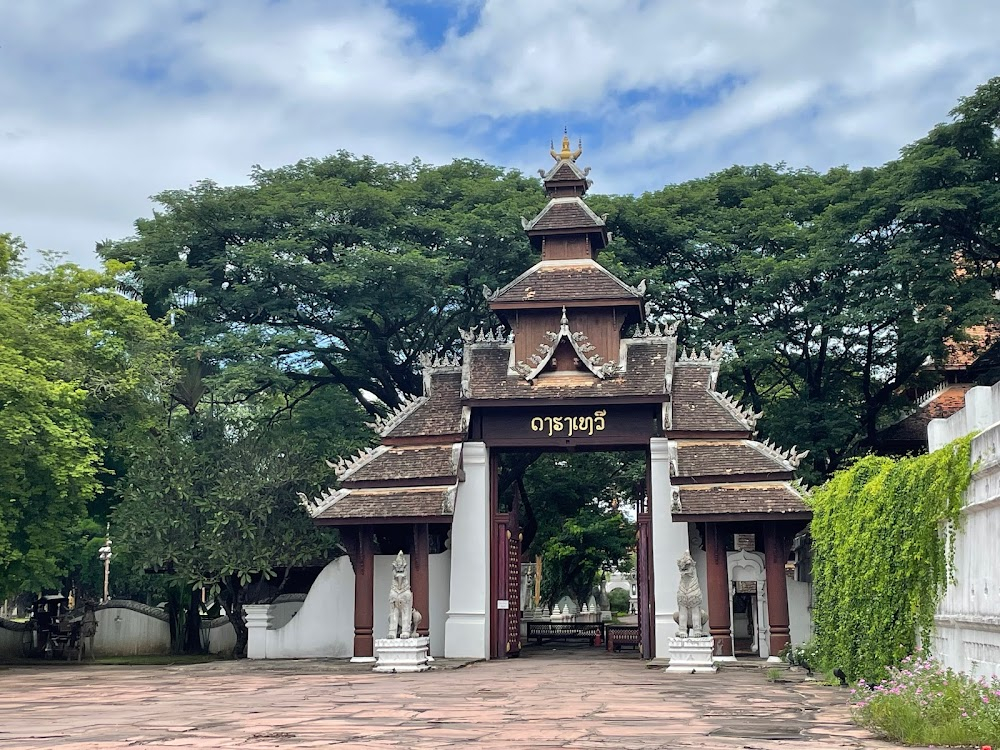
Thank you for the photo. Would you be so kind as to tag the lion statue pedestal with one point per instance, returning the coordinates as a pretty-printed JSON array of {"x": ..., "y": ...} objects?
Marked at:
[
  {"x": 402, "y": 650},
  {"x": 691, "y": 650}
]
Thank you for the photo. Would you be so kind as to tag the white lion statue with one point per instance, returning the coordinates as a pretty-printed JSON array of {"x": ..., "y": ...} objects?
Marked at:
[
  {"x": 403, "y": 618},
  {"x": 690, "y": 616}
]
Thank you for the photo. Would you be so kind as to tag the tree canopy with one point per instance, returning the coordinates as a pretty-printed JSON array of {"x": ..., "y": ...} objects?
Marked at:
[
  {"x": 304, "y": 298},
  {"x": 77, "y": 361},
  {"x": 212, "y": 500},
  {"x": 332, "y": 271},
  {"x": 832, "y": 290}
]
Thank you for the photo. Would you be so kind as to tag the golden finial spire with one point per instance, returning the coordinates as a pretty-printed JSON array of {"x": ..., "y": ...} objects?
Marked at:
[{"x": 565, "y": 154}]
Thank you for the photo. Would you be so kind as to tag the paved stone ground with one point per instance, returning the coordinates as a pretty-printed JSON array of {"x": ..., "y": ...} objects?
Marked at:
[{"x": 550, "y": 699}]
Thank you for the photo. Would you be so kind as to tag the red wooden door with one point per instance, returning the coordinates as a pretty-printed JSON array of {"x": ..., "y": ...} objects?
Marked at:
[
  {"x": 505, "y": 574},
  {"x": 644, "y": 571}
]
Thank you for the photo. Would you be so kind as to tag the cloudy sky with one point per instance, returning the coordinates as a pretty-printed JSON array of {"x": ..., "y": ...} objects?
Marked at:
[{"x": 106, "y": 102}]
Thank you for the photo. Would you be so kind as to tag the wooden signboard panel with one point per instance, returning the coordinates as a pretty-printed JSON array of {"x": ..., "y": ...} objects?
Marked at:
[{"x": 597, "y": 426}]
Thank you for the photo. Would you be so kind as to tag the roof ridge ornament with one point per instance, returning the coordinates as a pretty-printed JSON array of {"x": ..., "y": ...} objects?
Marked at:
[
  {"x": 344, "y": 467},
  {"x": 384, "y": 425},
  {"x": 742, "y": 413},
  {"x": 791, "y": 456},
  {"x": 431, "y": 363},
  {"x": 660, "y": 330},
  {"x": 316, "y": 505},
  {"x": 565, "y": 154}
]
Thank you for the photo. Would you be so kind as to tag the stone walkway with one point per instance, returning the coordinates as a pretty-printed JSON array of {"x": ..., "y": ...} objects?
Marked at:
[{"x": 551, "y": 699}]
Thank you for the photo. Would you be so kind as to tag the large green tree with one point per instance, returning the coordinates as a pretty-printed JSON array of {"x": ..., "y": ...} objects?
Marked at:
[
  {"x": 828, "y": 308},
  {"x": 333, "y": 271},
  {"x": 76, "y": 358},
  {"x": 211, "y": 499}
]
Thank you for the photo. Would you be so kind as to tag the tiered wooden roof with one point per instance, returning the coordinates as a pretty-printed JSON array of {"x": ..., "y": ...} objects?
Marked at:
[
  {"x": 552, "y": 283},
  {"x": 568, "y": 347},
  {"x": 413, "y": 474}
]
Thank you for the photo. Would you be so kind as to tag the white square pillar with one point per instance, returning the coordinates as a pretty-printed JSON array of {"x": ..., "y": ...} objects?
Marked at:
[
  {"x": 670, "y": 539},
  {"x": 259, "y": 619},
  {"x": 467, "y": 629}
]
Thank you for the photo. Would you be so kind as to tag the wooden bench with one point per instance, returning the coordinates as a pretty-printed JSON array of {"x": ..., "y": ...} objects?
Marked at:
[
  {"x": 617, "y": 636},
  {"x": 591, "y": 632}
]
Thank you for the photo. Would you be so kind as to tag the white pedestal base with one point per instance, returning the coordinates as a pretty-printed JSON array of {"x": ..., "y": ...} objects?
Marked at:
[
  {"x": 401, "y": 654},
  {"x": 691, "y": 655}
]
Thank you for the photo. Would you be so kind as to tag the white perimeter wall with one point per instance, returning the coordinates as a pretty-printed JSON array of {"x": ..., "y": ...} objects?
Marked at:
[
  {"x": 324, "y": 625},
  {"x": 126, "y": 632},
  {"x": 967, "y": 626}
]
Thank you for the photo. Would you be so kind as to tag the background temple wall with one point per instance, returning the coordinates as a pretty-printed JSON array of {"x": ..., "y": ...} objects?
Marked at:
[{"x": 967, "y": 625}]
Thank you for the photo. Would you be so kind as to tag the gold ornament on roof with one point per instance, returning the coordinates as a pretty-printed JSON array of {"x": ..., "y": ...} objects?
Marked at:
[{"x": 566, "y": 154}]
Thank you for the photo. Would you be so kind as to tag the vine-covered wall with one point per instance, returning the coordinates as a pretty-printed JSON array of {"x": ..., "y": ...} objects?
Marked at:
[{"x": 881, "y": 563}]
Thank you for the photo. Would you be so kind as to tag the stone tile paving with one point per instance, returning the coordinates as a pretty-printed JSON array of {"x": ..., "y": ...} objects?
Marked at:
[{"x": 552, "y": 699}]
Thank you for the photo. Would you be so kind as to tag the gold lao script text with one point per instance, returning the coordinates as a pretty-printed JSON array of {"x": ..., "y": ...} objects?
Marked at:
[{"x": 569, "y": 425}]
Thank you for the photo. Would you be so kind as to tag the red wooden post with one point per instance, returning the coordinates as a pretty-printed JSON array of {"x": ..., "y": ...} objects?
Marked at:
[
  {"x": 363, "y": 559},
  {"x": 775, "y": 556},
  {"x": 719, "y": 624},
  {"x": 419, "y": 576}
]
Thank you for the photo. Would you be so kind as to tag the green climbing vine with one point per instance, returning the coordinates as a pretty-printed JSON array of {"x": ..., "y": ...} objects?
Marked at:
[{"x": 881, "y": 558}]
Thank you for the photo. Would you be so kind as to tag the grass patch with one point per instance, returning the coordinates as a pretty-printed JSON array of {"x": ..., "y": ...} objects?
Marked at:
[{"x": 922, "y": 703}]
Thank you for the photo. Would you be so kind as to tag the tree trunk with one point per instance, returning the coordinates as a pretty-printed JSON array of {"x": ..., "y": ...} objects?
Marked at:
[
  {"x": 192, "y": 625},
  {"x": 173, "y": 613},
  {"x": 233, "y": 596}
]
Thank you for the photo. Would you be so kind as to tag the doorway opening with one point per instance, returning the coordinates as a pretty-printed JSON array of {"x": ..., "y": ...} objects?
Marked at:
[
  {"x": 571, "y": 553},
  {"x": 745, "y": 625}
]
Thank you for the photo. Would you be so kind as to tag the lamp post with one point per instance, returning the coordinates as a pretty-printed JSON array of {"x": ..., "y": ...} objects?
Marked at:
[{"x": 104, "y": 553}]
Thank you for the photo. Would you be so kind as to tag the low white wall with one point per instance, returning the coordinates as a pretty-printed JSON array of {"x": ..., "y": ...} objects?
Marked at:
[
  {"x": 219, "y": 634},
  {"x": 131, "y": 629},
  {"x": 12, "y": 636},
  {"x": 323, "y": 625},
  {"x": 799, "y": 611}
]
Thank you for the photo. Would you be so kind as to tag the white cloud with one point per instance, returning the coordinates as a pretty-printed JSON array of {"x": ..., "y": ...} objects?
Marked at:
[{"x": 106, "y": 102}]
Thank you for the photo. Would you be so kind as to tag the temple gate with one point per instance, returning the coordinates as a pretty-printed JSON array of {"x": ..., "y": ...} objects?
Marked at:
[{"x": 574, "y": 365}]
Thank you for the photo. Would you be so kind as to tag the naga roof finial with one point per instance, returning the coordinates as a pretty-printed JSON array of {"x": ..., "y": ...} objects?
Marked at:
[{"x": 566, "y": 154}]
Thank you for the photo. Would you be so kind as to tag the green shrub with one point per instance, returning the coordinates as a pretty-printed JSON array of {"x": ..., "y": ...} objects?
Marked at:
[
  {"x": 922, "y": 703},
  {"x": 804, "y": 655},
  {"x": 619, "y": 600},
  {"x": 881, "y": 561}
]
